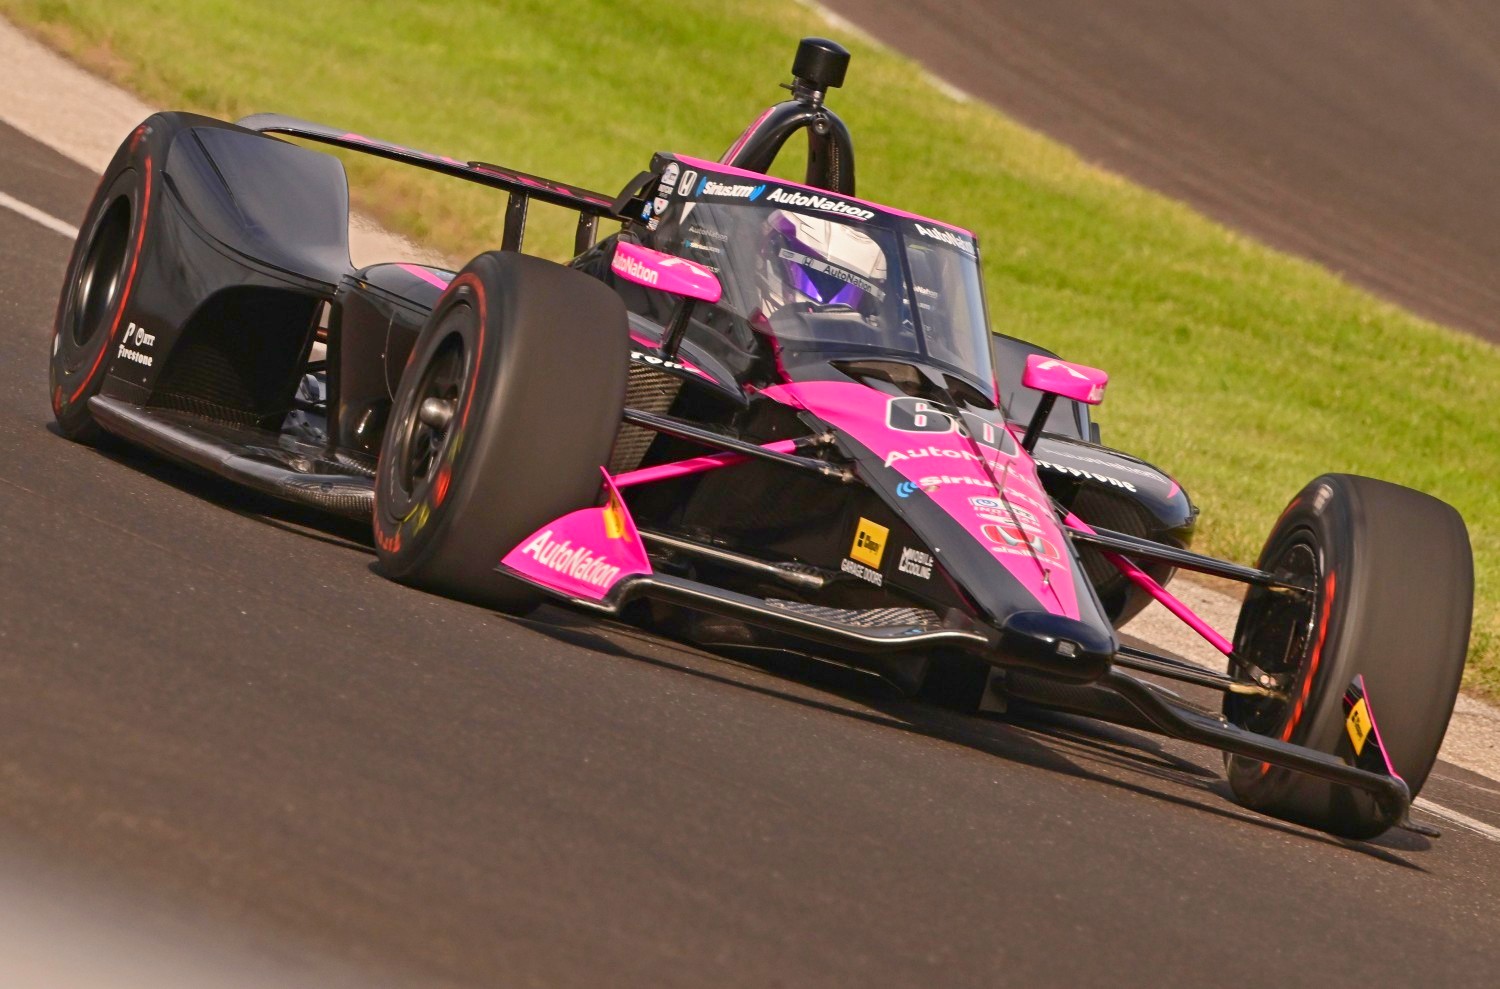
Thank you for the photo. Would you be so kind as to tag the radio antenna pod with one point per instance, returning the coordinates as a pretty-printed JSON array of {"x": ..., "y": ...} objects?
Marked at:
[{"x": 819, "y": 66}]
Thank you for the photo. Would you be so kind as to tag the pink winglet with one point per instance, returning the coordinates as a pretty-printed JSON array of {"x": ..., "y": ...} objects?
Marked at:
[
  {"x": 1385, "y": 753},
  {"x": 1048, "y": 374},
  {"x": 667, "y": 272},
  {"x": 585, "y": 553}
]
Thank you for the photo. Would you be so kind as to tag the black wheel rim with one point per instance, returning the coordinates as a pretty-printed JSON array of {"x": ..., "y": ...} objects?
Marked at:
[
  {"x": 1278, "y": 633},
  {"x": 101, "y": 275},
  {"x": 424, "y": 439}
]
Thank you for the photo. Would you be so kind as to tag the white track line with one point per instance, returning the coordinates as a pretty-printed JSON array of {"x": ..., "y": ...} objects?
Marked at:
[
  {"x": 1454, "y": 817},
  {"x": 1458, "y": 782},
  {"x": 45, "y": 219}
]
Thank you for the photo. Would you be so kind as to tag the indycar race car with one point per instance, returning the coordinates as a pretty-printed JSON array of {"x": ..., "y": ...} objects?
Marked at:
[{"x": 762, "y": 414}]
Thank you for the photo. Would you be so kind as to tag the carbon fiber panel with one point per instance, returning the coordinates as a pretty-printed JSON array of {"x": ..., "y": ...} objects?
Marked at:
[
  {"x": 863, "y": 618},
  {"x": 649, "y": 390},
  {"x": 198, "y": 406},
  {"x": 1102, "y": 507}
]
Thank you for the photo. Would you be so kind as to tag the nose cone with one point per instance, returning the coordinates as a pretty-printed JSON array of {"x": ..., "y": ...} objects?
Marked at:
[
  {"x": 963, "y": 483},
  {"x": 1064, "y": 648}
]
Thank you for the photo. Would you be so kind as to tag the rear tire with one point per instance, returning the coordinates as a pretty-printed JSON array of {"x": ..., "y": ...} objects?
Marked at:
[
  {"x": 100, "y": 278},
  {"x": 528, "y": 361},
  {"x": 1394, "y": 580}
]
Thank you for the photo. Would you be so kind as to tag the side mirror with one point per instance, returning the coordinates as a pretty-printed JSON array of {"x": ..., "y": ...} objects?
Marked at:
[
  {"x": 655, "y": 269},
  {"x": 1056, "y": 378}
]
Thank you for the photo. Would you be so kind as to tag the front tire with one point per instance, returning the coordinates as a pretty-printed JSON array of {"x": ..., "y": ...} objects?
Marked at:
[
  {"x": 1393, "y": 587},
  {"x": 506, "y": 412}
]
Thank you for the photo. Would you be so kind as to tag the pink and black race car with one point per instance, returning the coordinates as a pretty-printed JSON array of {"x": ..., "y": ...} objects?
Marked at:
[{"x": 762, "y": 414}]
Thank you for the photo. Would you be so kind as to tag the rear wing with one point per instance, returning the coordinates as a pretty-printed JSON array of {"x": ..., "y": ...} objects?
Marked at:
[{"x": 522, "y": 187}]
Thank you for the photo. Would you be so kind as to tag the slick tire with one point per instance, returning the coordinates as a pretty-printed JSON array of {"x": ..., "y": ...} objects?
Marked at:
[
  {"x": 1393, "y": 579},
  {"x": 103, "y": 271},
  {"x": 506, "y": 411}
]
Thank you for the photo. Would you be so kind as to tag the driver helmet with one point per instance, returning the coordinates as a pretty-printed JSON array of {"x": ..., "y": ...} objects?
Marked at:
[{"x": 812, "y": 263}]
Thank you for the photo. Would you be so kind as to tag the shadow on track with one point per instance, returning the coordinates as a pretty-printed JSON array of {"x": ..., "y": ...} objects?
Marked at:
[
  {"x": 1049, "y": 741},
  {"x": 248, "y": 504}
]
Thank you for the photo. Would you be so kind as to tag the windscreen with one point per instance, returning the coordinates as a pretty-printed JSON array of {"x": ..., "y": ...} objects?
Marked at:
[{"x": 907, "y": 289}]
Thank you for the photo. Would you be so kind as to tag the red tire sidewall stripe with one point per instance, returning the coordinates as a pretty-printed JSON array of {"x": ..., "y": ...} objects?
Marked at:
[
  {"x": 135, "y": 259},
  {"x": 468, "y": 278},
  {"x": 1312, "y": 667},
  {"x": 391, "y": 543},
  {"x": 1313, "y": 660}
]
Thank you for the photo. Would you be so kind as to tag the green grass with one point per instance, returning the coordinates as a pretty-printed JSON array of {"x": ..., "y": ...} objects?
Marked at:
[{"x": 1241, "y": 370}]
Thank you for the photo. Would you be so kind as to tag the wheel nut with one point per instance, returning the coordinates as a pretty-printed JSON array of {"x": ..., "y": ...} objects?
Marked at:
[{"x": 435, "y": 413}]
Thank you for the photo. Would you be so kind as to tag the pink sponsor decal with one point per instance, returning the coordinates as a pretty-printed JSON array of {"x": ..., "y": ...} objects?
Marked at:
[
  {"x": 428, "y": 275},
  {"x": 973, "y": 475},
  {"x": 585, "y": 553},
  {"x": 1081, "y": 384},
  {"x": 1013, "y": 534},
  {"x": 667, "y": 272}
]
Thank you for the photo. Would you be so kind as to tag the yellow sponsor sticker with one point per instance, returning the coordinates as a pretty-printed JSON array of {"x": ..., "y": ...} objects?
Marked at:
[
  {"x": 614, "y": 517},
  {"x": 869, "y": 543},
  {"x": 1358, "y": 725}
]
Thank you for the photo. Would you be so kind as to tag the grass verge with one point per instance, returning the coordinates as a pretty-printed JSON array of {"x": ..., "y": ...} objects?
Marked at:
[{"x": 1242, "y": 371}]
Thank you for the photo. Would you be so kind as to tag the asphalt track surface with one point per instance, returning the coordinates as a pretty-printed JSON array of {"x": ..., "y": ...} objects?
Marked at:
[
  {"x": 1359, "y": 134},
  {"x": 214, "y": 702}
]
